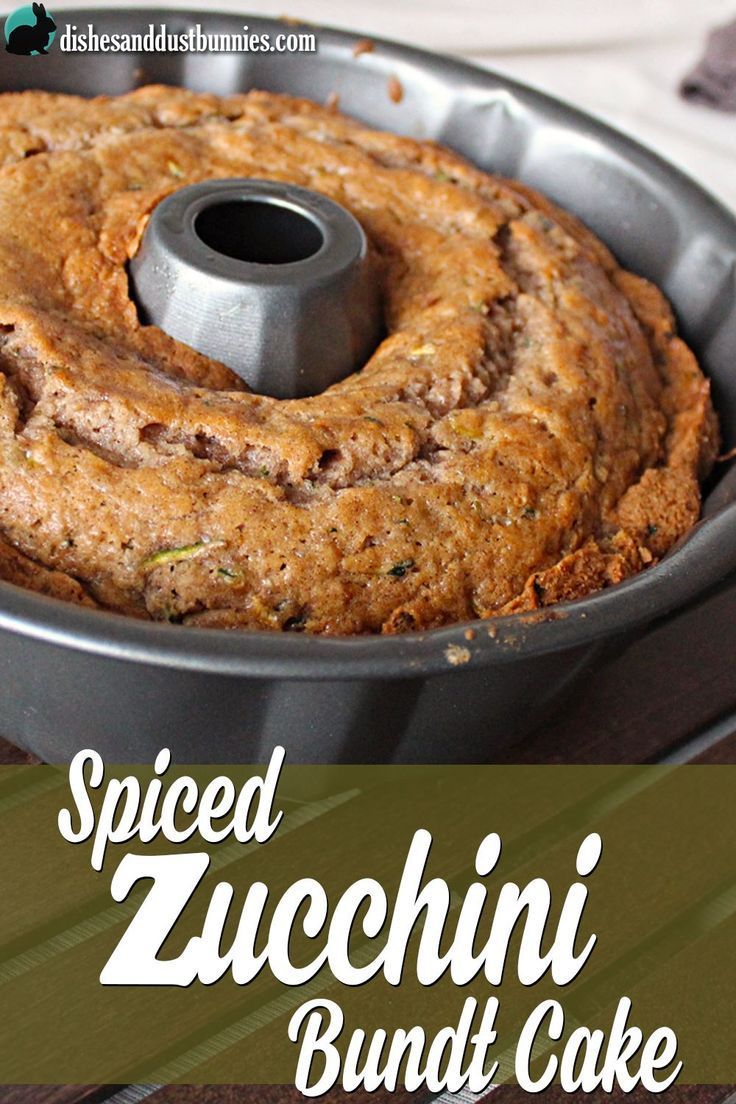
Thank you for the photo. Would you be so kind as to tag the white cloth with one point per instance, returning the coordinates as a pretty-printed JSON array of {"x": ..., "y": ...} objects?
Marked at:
[{"x": 619, "y": 59}]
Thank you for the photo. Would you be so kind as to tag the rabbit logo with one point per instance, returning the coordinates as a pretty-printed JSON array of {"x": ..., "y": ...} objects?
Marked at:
[{"x": 29, "y": 31}]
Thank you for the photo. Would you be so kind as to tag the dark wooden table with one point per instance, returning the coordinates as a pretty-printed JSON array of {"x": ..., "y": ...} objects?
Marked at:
[{"x": 670, "y": 697}]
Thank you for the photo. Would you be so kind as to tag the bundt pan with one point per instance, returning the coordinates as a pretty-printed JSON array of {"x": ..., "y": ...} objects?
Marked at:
[{"x": 72, "y": 678}]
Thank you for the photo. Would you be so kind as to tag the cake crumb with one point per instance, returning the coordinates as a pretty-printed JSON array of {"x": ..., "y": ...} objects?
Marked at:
[
  {"x": 470, "y": 634},
  {"x": 395, "y": 90},
  {"x": 363, "y": 46},
  {"x": 457, "y": 655}
]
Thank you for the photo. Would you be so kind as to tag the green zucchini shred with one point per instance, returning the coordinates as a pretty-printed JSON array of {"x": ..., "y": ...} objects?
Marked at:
[
  {"x": 400, "y": 569},
  {"x": 174, "y": 555}
]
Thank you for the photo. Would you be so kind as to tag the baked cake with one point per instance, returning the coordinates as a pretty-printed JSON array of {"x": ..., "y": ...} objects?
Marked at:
[{"x": 530, "y": 430}]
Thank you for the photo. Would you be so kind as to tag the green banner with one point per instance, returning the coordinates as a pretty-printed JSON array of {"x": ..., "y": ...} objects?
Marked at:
[{"x": 438, "y": 927}]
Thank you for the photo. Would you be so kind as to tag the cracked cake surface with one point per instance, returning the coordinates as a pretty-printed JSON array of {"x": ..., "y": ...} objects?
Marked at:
[{"x": 530, "y": 430}]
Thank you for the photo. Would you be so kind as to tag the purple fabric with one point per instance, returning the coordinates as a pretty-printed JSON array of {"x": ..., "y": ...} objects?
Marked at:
[{"x": 713, "y": 80}]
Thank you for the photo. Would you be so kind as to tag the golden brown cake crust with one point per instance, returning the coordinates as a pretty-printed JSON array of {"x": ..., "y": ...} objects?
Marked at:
[{"x": 530, "y": 430}]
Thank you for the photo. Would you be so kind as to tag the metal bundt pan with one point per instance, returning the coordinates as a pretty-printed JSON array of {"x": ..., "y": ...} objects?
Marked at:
[{"x": 70, "y": 678}]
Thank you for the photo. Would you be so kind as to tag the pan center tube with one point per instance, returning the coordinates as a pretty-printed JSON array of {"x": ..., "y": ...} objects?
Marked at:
[{"x": 271, "y": 279}]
